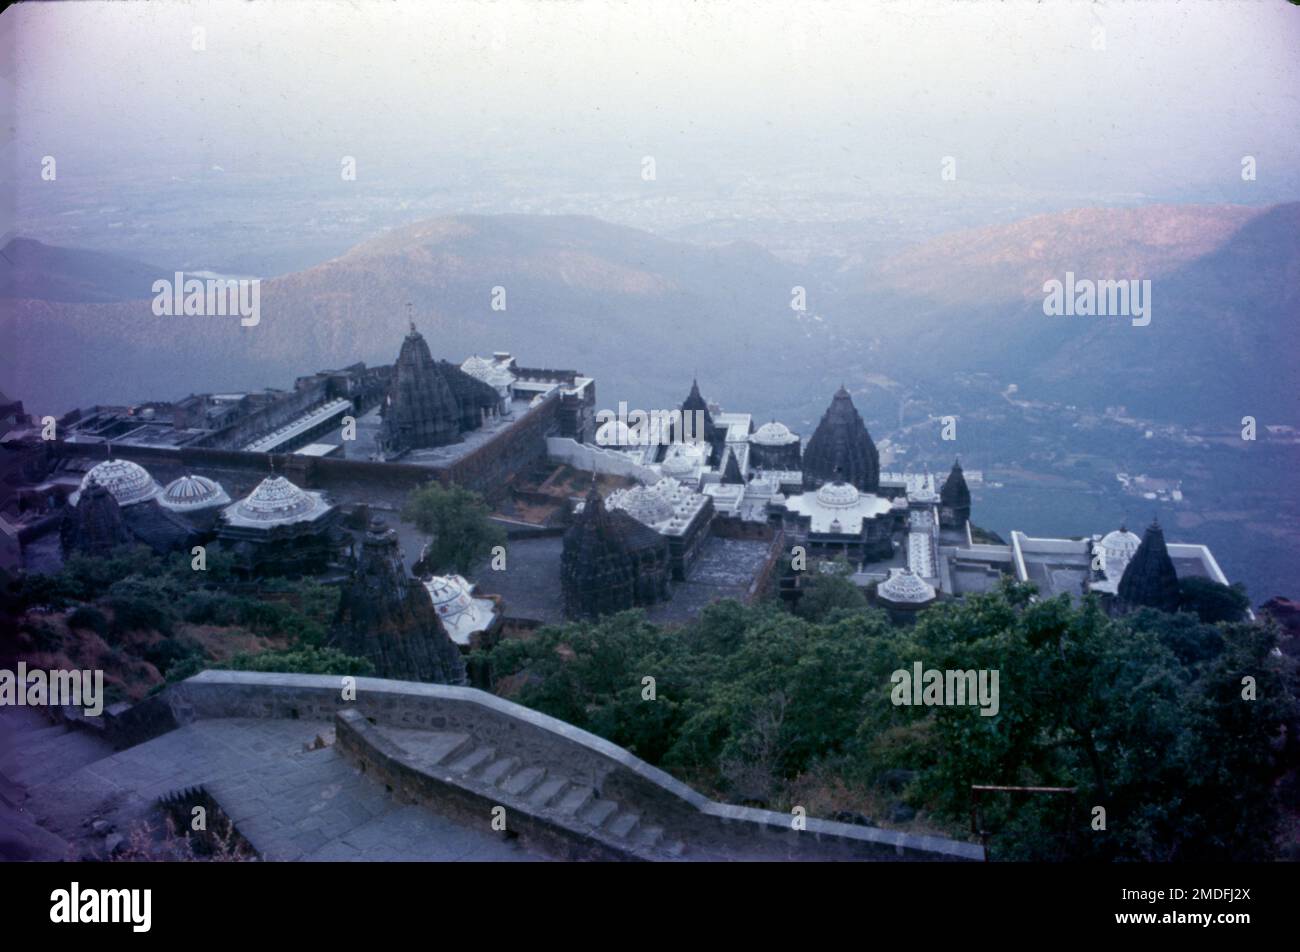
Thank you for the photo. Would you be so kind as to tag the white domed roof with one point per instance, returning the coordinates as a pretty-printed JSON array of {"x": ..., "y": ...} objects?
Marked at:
[
  {"x": 128, "y": 482},
  {"x": 678, "y": 465},
  {"x": 773, "y": 434},
  {"x": 646, "y": 505},
  {"x": 449, "y": 594},
  {"x": 1117, "y": 548},
  {"x": 618, "y": 433},
  {"x": 838, "y": 495},
  {"x": 461, "y": 614},
  {"x": 277, "y": 500},
  {"x": 905, "y": 587},
  {"x": 194, "y": 492}
]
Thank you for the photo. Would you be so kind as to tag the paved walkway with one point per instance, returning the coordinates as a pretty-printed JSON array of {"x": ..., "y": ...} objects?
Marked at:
[{"x": 289, "y": 801}]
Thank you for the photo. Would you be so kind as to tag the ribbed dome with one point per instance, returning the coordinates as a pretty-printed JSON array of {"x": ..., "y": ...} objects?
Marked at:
[
  {"x": 194, "y": 492},
  {"x": 1117, "y": 549},
  {"x": 905, "y": 587},
  {"x": 679, "y": 464},
  {"x": 128, "y": 482},
  {"x": 449, "y": 595},
  {"x": 276, "y": 499},
  {"x": 648, "y": 506},
  {"x": 838, "y": 495},
  {"x": 773, "y": 434}
]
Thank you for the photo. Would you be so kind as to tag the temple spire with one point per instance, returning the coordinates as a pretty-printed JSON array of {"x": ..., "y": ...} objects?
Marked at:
[
  {"x": 1150, "y": 578},
  {"x": 841, "y": 448},
  {"x": 731, "y": 471},
  {"x": 954, "y": 499}
]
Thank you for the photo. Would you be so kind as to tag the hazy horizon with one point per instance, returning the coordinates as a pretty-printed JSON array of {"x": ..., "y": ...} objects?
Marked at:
[{"x": 783, "y": 111}]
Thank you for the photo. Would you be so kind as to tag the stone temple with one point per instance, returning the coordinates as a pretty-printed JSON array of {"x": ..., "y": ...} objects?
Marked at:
[
  {"x": 385, "y": 615},
  {"x": 954, "y": 499},
  {"x": 280, "y": 529},
  {"x": 841, "y": 449},
  {"x": 1150, "y": 579},
  {"x": 907, "y": 537},
  {"x": 119, "y": 503},
  {"x": 611, "y": 562},
  {"x": 709, "y": 506},
  {"x": 431, "y": 403}
]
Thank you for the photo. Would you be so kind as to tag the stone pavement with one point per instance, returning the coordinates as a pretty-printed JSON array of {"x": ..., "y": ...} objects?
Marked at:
[{"x": 289, "y": 802}]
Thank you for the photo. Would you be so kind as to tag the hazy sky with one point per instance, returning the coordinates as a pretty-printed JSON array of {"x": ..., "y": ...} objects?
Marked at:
[{"x": 1018, "y": 92}]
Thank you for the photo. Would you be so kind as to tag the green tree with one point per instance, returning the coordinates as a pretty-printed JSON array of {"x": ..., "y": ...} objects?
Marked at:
[
  {"x": 1211, "y": 601},
  {"x": 458, "y": 524},
  {"x": 823, "y": 593}
]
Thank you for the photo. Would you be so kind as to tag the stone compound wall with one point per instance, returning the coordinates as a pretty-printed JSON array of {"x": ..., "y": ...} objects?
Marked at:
[
  {"x": 709, "y": 829},
  {"x": 591, "y": 458},
  {"x": 486, "y": 469}
]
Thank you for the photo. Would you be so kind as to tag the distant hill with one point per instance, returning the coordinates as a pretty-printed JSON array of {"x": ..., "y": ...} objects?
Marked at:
[
  {"x": 1224, "y": 308},
  {"x": 33, "y": 269},
  {"x": 644, "y": 314},
  {"x": 639, "y": 312}
]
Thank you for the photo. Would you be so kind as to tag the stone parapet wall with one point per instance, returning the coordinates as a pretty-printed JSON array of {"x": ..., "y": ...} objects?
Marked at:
[
  {"x": 596, "y": 459},
  {"x": 378, "y": 756},
  {"x": 711, "y": 830}
]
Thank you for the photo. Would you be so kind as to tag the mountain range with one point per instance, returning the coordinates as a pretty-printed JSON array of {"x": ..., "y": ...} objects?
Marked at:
[{"x": 644, "y": 314}]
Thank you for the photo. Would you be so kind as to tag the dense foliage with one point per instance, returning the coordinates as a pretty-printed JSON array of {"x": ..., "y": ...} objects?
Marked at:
[
  {"x": 146, "y": 620},
  {"x": 1179, "y": 726},
  {"x": 1143, "y": 716}
]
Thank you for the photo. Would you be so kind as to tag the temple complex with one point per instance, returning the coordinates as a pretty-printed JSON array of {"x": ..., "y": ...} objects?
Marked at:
[
  {"x": 701, "y": 507},
  {"x": 119, "y": 500}
]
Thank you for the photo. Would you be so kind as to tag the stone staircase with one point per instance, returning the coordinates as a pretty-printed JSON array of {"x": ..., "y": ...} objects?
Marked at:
[
  {"x": 539, "y": 789},
  {"x": 35, "y": 751}
]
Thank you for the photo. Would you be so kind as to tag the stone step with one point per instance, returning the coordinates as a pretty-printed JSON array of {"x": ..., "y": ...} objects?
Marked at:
[
  {"x": 623, "y": 825},
  {"x": 430, "y": 748},
  {"x": 575, "y": 800},
  {"x": 523, "y": 782},
  {"x": 598, "y": 811},
  {"x": 498, "y": 770},
  {"x": 546, "y": 793},
  {"x": 445, "y": 748},
  {"x": 472, "y": 761},
  {"x": 56, "y": 756},
  {"x": 650, "y": 837},
  {"x": 29, "y": 738},
  {"x": 17, "y": 745}
]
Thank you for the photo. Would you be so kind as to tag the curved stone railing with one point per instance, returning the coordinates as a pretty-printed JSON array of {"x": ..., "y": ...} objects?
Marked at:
[{"x": 710, "y": 830}]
